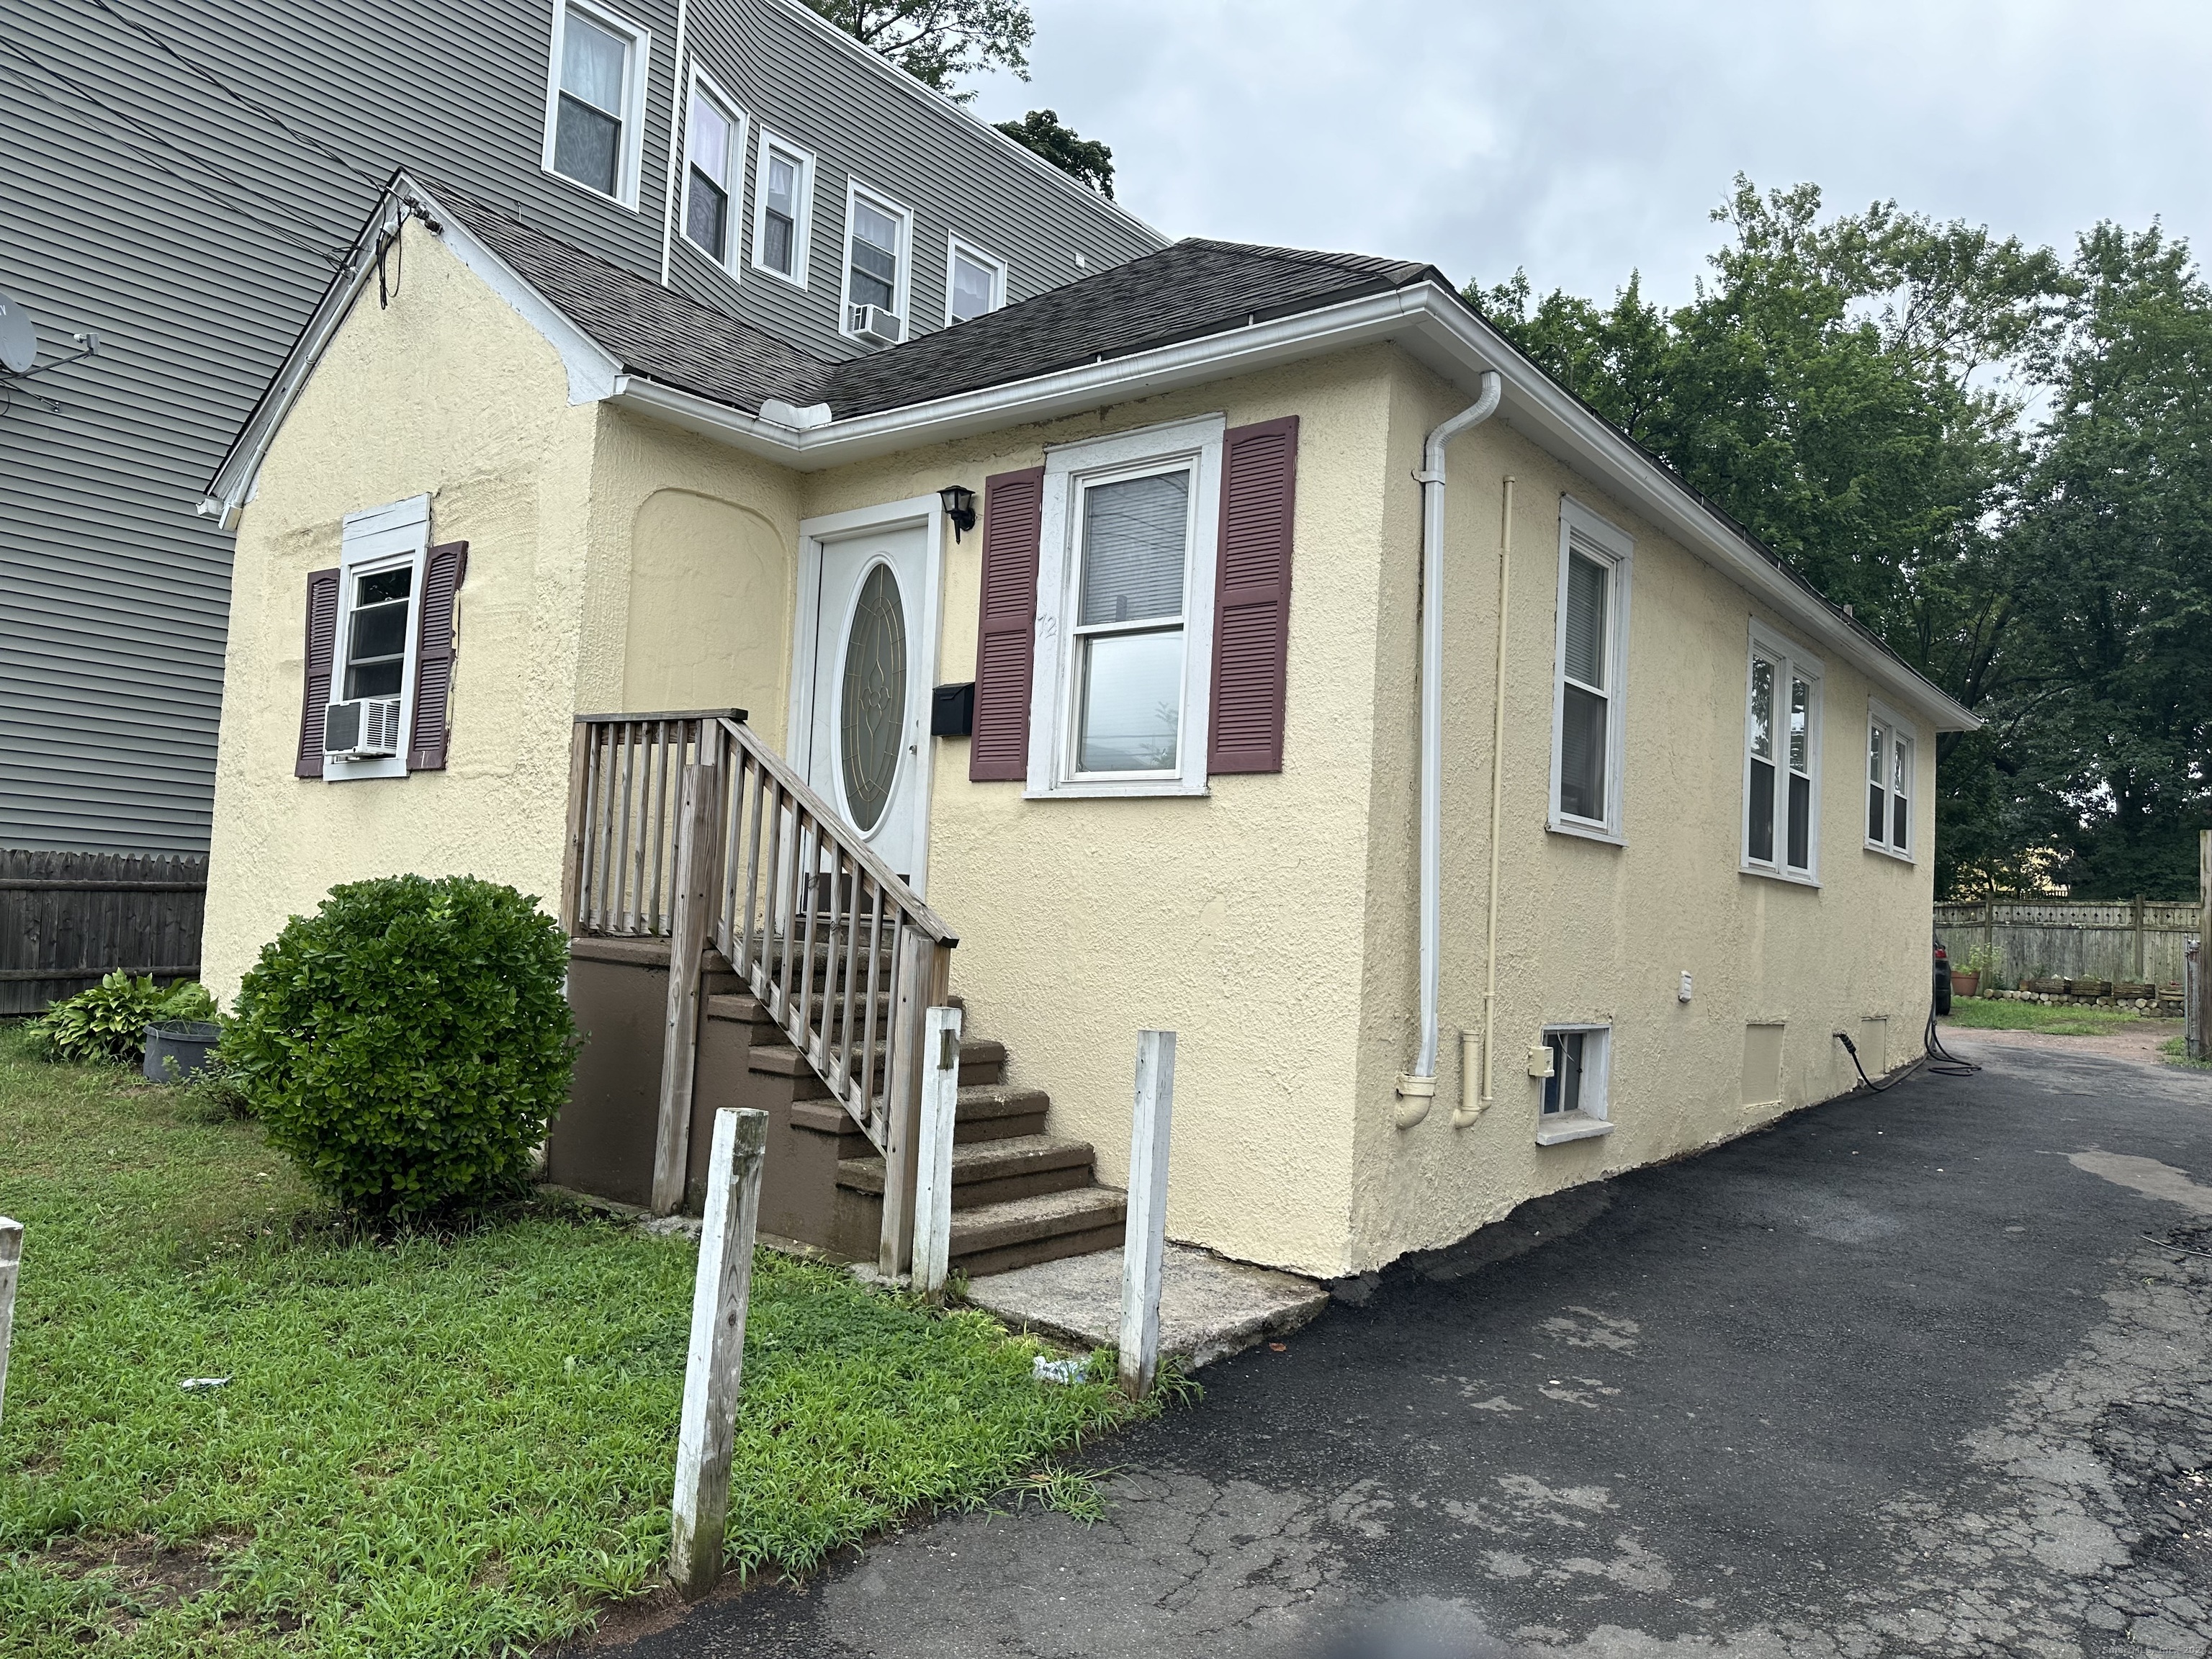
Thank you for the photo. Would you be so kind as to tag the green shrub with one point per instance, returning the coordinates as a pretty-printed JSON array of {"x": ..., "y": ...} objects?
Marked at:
[
  {"x": 108, "y": 1023},
  {"x": 409, "y": 1043}
]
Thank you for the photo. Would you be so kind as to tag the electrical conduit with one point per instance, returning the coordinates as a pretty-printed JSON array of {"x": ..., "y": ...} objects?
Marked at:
[
  {"x": 1470, "y": 1108},
  {"x": 1417, "y": 1089}
]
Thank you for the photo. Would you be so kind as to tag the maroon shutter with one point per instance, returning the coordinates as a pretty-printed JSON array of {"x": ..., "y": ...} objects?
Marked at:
[
  {"x": 1252, "y": 599},
  {"x": 1006, "y": 642},
  {"x": 444, "y": 569},
  {"x": 322, "y": 641}
]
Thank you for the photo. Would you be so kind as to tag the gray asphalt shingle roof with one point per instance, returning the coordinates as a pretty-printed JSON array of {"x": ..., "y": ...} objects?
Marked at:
[{"x": 1186, "y": 291}]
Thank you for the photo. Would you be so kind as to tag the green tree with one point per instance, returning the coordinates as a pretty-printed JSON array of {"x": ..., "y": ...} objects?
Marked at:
[
  {"x": 2112, "y": 705},
  {"x": 939, "y": 41},
  {"x": 1842, "y": 388},
  {"x": 1080, "y": 158}
]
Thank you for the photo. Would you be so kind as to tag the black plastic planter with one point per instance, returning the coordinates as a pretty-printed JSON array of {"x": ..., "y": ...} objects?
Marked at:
[{"x": 175, "y": 1049}]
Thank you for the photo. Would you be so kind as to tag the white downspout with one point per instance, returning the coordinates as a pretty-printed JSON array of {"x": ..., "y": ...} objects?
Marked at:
[{"x": 1417, "y": 1089}]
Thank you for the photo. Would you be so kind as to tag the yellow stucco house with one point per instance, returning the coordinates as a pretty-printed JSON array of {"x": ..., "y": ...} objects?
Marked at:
[{"x": 1485, "y": 813}]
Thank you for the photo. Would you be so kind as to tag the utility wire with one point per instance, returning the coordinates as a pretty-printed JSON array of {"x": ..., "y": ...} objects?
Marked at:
[
  {"x": 319, "y": 251},
  {"x": 329, "y": 152}
]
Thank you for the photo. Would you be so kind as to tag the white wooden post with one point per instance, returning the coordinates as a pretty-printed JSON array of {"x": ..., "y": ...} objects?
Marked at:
[
  {"x": 714, "y": 1366},
  {"x": 933, "y": 1187},
  {"x": 11, "y": 1256},
  {"x": 1146, "y": 1241}
]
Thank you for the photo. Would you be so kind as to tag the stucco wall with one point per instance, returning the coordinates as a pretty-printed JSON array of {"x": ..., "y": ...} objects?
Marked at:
[
  {"x": 446, "y": 390},
  {"x": 1234, "y": 920},
  {"x": 1590, "y": 931}
]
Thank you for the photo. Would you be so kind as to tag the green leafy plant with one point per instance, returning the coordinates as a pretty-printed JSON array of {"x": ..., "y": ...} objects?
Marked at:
[
  {"x": 108, "y": 1022},
  {"x": 408, "y": 1044}
]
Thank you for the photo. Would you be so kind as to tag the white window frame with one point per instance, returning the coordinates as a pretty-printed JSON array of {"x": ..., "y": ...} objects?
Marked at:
[
  {"x": 1582, "y": 531},
  {"x": 733, "y": 262},
  {"x": 395, "y": 536},
  {"x": 802, "y": 229},
  {"x": 1589, "y": 1119},
  {"x": 1900, "y": 730},
  {"x": 1195, "y": 443},
  {"x": 958, "y": 247},
  {"x": 1789, "y": 662},
  {"x": 637, "y": 77},
  {"x": 903, "y": 283}
]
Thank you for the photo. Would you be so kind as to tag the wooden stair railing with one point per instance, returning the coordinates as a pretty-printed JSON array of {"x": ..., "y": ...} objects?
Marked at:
[{"x": 686, "y": 827}]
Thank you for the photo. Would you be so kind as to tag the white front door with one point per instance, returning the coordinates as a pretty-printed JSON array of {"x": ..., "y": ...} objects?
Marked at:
[{"x": 871, "y": 690}]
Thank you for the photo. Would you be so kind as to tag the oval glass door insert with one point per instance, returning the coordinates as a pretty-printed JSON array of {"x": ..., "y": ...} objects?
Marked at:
[{"x": 872, "y": 698}]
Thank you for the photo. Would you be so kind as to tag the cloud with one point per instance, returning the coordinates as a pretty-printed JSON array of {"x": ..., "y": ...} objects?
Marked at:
[{"x": 1589, "y": 138}]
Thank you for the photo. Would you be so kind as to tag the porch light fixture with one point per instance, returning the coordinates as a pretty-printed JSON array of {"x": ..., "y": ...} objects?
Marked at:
[{"x": 959, "y": 507}]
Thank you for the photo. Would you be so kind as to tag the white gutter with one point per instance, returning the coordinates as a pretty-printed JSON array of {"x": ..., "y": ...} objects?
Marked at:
[{"x": 1418, "y": 1088}]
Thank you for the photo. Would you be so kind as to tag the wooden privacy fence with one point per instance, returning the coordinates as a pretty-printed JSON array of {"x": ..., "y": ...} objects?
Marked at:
[
  {"x": 686, "y": 827},
  {"x": 2073, "y": 938},
  {"x": 68, "y": 918}
]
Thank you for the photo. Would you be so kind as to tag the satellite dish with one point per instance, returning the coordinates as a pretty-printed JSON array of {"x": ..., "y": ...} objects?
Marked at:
[{"x": 19, "y": 340}]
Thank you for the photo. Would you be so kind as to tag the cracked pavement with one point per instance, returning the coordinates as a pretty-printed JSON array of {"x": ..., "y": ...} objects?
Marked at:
[{"x": 1927, "y": 1373}]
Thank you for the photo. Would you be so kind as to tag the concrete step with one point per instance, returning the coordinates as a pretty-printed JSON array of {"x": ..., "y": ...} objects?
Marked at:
[
  {"x": 993, "y": 1171},
  {"x": 998, "y": 1237},
  {"x": 997, "y": 1111}
]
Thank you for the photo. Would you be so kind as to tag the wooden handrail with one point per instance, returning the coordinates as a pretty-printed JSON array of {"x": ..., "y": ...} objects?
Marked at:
[{"x": 684, "y": 826}]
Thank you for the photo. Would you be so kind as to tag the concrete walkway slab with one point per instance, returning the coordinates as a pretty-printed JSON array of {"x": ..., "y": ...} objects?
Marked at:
[{"x": 1210, "y": 1307}]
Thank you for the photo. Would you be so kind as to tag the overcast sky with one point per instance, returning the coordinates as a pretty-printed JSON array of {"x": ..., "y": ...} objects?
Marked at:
[{"x": 1582, "y": 138}]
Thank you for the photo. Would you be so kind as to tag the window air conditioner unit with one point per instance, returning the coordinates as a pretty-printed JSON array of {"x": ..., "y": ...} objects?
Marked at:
[
  {"x": 368, "y": 728},
  {"x": 875, "y": 324}
]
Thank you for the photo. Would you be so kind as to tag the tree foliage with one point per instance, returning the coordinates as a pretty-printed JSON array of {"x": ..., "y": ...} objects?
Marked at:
[
  {"x": 939, "y": 41},
  {"x": 1989, "y": 453},
  {"x": 1083, "y": 158}
]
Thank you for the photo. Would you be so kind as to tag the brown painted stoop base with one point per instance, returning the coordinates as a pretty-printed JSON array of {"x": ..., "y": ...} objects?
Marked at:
[{"x": 1019, "y": 1195}]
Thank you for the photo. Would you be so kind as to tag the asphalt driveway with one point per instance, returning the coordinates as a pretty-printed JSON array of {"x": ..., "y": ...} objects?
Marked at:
[{"x": 1924, "y": 1373}]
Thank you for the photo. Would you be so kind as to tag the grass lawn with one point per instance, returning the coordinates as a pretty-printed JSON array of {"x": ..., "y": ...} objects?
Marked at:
[
  {"x": 1989, "y": 1014},
  {"x": 2176, "y": 1051},
  {"x": 429, "y": 1445}
]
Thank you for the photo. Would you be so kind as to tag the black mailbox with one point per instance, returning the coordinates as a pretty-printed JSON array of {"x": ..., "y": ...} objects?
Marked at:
[{"x": 952, "y": 711}]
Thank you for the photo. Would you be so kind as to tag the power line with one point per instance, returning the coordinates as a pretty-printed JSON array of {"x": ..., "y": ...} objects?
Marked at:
[
  {"x": 319, "y": 251},
  {"x": 329, "y": 152}
]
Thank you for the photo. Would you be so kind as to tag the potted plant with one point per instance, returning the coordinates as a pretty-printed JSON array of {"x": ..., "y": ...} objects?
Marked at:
[{"x": 1966, "y": 978}]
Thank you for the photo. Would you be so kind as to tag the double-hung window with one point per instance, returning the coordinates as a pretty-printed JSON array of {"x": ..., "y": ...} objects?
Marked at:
[
  {"x": 783, "y": 207},
  {"x": 878, "y": 234},
  {"x": 975, "y": 282},
  {"x": 1889, "y": 782},
  {"x": 595, "y": 101},
  {"x": 1782, "y": 760},
  {"x": 1591, "y": 665},
  {"x": 715, "y": 151},
  {"x": 1125, "y": 589},
  {"x": 373, "y": 688}
]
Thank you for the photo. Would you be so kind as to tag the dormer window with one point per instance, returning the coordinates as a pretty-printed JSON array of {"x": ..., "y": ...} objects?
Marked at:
[{"x": 594, "y": 103}]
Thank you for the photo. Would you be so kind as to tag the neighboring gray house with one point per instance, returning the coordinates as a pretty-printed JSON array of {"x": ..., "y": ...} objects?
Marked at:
[{"x": 181, "y": 179}]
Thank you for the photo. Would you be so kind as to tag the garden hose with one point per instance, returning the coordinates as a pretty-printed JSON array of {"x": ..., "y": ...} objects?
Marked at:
[{"x": 1937, "y": 1059}]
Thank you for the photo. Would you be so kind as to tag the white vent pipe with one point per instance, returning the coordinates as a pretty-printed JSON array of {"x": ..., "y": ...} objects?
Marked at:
[{"x": 1417, "y": 1089}]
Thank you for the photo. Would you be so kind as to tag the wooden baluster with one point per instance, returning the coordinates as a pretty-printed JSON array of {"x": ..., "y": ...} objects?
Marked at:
[
  {"x": 572, "y": 863},
  {"x": 657, "y": 922},
  {"x": 849, "y": 908},
  {"x": 803, "y": 1033},
  {"x": 777, "y": 955},
  {"x": 626, "y": 896},
  {"x": 870, "y": 1118},
  {"x": 757, "y": 794},
  {"x": 605, "y": 808}
]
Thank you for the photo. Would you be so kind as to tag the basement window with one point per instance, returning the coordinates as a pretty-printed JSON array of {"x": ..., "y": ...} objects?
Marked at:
[
  {"x": 595, "y": 101},
  {"x": 1574, "y": 1103}
]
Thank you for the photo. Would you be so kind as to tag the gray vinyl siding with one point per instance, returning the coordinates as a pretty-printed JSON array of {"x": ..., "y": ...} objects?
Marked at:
[{"x": 113, "y": 592}]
